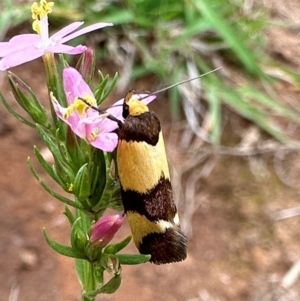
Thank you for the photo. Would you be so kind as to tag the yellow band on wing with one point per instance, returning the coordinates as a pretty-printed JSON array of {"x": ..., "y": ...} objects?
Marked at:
[
  {"x": 140, "y": 226},
  {"x": 141, "y": 165}
]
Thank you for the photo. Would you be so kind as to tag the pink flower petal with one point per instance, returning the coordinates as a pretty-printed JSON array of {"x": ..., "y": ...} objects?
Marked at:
[
  {"x": 106, "y": 141},
  {"x": 18, "y": 43},
  {"x": 73, "y": 119},
  {"x": 66, "y": 30},
  {"x": 26, "y": 38},
  {"x": 85, "y": 30},
  {"x": 74, "y": 85},
  {"x": 61, "y": 48},
  {"x": 20, "y": 57}
]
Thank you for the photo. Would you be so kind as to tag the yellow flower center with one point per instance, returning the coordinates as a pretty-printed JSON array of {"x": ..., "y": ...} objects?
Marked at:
[{"x": 80, "y": 106}]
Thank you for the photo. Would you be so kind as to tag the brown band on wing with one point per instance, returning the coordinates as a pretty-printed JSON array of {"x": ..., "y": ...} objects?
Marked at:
[
  {"x": 156, "y": 204},
  {"x": 167, "y": 247}
]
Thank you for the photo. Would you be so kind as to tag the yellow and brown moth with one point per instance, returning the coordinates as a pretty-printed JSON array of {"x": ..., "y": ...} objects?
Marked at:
[{"x": 145, "y": 184}]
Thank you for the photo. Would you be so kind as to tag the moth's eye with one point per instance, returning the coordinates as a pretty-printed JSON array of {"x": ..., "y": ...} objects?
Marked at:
[{"x": 125, "y": 110}]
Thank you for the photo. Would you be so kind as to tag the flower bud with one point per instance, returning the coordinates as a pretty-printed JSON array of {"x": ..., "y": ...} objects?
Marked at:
[
  {"x": 105, "y": 229},
  {"x": 86, "y": 64}
]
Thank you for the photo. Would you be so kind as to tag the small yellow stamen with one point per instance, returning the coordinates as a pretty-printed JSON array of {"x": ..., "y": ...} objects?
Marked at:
[
  {"x": 36, "y": 27},
  {"x": 93, "y": 135},
  {"x": 80, "y": 106},
  {"x": 38, "y": 12},
  {"x": 70, "y": 188},
  {"x": 41, "y": 10}
]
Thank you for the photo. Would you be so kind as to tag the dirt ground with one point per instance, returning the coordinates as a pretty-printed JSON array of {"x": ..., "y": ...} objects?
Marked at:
[{"x": 237, "y": 250}]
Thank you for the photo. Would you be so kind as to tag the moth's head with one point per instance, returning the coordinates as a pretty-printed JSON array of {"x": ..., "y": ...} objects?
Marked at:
[{"x": 133, "y": 106}]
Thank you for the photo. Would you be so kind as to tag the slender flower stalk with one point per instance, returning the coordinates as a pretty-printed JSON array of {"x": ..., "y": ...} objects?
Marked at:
[{"x": 27, "y": 47}]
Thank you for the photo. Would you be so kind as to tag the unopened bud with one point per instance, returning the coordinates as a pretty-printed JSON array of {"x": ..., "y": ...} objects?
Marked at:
[
  {"x": 105, "y": 229},
  {"x": 86, "y": 64}
]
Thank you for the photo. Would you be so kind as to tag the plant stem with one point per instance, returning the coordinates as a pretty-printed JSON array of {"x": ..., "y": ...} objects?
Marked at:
[{"x": 84, "y": 268}]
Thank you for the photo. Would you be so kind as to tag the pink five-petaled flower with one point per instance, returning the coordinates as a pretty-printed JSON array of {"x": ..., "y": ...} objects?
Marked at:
[
  {"x": 27, "y": 47},
  {"x": 103, "y": 231},
  {"x": 84, "y": 121}
]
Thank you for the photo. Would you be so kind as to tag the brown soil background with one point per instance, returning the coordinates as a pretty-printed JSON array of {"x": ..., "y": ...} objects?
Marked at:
[{"x": 236, "y": 250}]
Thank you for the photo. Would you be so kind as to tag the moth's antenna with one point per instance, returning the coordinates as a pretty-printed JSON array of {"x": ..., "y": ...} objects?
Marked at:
[
  {"x": 109, "y": 116},
  {"x": 180, "y": 83},
  {"x": 119, "y": 122}
]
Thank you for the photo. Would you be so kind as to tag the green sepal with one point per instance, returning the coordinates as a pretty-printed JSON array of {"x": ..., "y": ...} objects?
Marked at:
[
  {"x": 70, "y": 216},
  {"x": 50, "y": 191},
  {"x": 93, "y": 252},
  {"x": 131, "y": 259},
  {"x": 79, "y": 238},
  {"x": 82, "y": 182},
  {"x": 15, "y": 114},
  {"x": 62, "y": 249},
  {"x": 109, "y": 288},
  {"x": 115, "y": 248},
  {"x": 28, "y": 101}
]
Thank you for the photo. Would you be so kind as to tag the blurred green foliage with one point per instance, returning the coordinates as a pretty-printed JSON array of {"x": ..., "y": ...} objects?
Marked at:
[{"x": 178, "y": 39}]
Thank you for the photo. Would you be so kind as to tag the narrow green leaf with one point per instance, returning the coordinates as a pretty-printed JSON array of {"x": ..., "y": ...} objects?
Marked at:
[
  {"x": 119, "y": 17},
  {"x": 115, "y": 248},
  {"x": 49, "y": 141},
  {"x": 50, "y": 191},
  {"x": 109, "y": 288},
  {"x": 62, "y": 249},
  {"x": 47, "y": 167},
  {"x": 111, "y": 87},
  {"x": 14, "y": 113},
  {"x": 131, "y": 259},
  {"x": 68, "y": 213},
  {"x": 229, "y": 35},
  {"x": 98, "y": 93},
  {"x": 254, "y": 113},
  {"x": 263, "y": 99}
]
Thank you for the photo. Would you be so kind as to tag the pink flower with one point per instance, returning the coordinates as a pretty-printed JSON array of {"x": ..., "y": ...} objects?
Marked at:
[
  {"x": 105, "y": 229},
  {"x": 84, "y": 121},
  {"x": 27, "y": 47}
]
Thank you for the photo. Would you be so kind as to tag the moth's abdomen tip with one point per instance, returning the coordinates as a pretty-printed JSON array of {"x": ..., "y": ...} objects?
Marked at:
[{"x": 167, "y": 247}]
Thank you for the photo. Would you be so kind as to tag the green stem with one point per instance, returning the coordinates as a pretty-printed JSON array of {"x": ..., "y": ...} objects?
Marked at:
[
  {"x": 90, "y": 283},
  {"x": 84, "y": 268}
]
